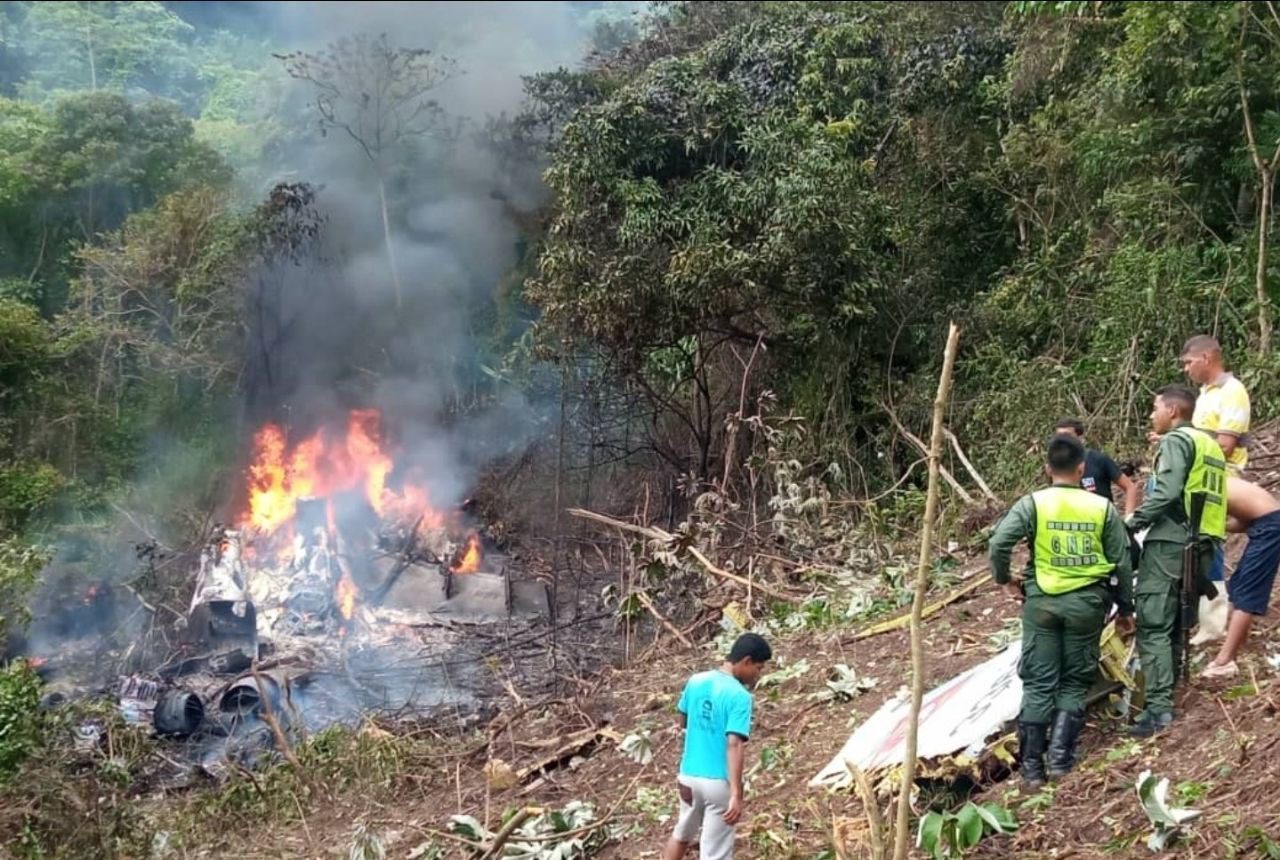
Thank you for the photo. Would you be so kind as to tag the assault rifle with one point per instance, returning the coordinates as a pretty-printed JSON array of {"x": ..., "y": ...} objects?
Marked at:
[{"x": 1192, "y": 585}]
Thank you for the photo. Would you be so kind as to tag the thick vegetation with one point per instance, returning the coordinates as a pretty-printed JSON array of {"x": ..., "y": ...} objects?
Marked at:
[
  {"x": 1082, "y": 185},
  {"x": 758, "y": 218}
]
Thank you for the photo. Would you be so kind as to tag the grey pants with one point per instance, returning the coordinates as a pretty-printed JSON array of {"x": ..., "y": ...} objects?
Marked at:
[{"x": 703, "y": 803}]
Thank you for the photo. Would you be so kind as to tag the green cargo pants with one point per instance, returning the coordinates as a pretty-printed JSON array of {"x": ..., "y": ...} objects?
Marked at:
[
  {"x": 1157, "y": 599},
  {"x": 1060, "y": 641}
]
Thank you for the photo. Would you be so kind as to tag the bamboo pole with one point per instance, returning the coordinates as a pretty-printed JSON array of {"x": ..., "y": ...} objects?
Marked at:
[{"x": 902, "y": 832}]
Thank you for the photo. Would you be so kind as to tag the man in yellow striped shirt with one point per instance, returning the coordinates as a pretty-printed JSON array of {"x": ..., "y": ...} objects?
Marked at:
[
  {"x": 1223, "y": 404},
  {"x": 1223, "y": 409}
]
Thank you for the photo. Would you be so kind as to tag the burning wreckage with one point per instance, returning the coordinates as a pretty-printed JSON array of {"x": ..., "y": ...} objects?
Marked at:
[{"x": 333, "y": 597}]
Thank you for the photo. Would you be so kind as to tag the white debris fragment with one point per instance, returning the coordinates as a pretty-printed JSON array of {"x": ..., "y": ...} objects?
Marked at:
[
  {"x": 959, "y": 714},
  {"x": 1166, "y": 821}
]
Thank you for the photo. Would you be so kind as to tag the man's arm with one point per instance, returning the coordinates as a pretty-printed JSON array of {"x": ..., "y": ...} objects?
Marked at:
[
  {"x": 1169, "y": 480},
  {"x": 1233, "y": 417},
  {"x": 1015, "y": 526},
  {"x": 1235, "y": 524},
  {"x": 1115, "y": 545},
  {"x": 1228, "y": 442},
  {"x": 736, "y": 752},
  {"x": 738, "y": 729},
  {"x": 1129, "y": 487}
]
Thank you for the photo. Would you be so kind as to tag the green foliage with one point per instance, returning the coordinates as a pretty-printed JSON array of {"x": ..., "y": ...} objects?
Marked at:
[
  {"x": 657, "y": 805},
  {"x": 26, "y": 489},
  {"x": 953, "y": 834},
  {"x": 26, "y": 352},
  {"x": 1266, "y": 846},
  {"x": 81, "y": 165},
  {"x": 1075, "y": 185},
  {"x": 546, "y": 829},
  {"x": 108, "y": 45},
  {"x": 19, "y": 564},
  {"x": 112, "y": 157},
  {"x": 784, "y": 672},
  {"x": 769, "y": 184},
  {"x": 703, "y": 193},
  {"x": 19, "y": 720}
]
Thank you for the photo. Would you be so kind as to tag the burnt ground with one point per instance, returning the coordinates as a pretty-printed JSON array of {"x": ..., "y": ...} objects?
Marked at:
[{"x": 1220, "y": 756}]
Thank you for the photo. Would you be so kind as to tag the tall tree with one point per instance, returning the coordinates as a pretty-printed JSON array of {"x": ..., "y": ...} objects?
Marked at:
[
  {"x": 105, "y": 45},
  {"x": 380, "y": 97}
]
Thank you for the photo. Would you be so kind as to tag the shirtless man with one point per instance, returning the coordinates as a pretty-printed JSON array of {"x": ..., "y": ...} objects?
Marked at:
[{"x": 1251, "y": 508}]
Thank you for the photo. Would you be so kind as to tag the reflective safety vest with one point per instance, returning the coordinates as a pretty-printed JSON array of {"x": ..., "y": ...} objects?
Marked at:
[
  {"x": 1068, "y": 546},
  {"x": 1207, "y": 474}
]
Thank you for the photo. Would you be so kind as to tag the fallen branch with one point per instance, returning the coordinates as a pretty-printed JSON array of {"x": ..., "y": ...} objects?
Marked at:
[
  {"x": 129, "y": 588},
  {"x": 623, "y": 797},
  {"x": 651, "y": 532},
  {"x": 932, "y": 609},
  {"x": 654, "y": 533},
  {"x": 510, "y": 827},
  {"x": 901, "y": 828},
  {"x": 969, "y": 467},
  {"x": 576, "y": 744},
  {"x": 924, "y": 449},
  {"x": 661, "y": 619},
  {"x": 733, "y": 577}
]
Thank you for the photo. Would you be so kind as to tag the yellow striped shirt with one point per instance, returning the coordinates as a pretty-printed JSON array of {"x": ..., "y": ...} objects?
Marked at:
[{"x": 1223, "y": 407}]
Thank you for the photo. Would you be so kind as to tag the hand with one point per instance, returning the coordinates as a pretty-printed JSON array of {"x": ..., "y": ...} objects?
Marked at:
[
  {"x": 1014, "y": 591},
  {"x": 734, "y": 810},
  {"x": 1125, "y": 625},
  {"x": 1154, "y": 438}
]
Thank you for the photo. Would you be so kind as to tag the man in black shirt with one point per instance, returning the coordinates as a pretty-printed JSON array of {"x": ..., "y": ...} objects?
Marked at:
[{"x": 1100, "y": 471}]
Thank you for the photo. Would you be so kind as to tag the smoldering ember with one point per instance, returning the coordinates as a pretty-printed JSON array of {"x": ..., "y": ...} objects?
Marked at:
[{"x": 339, "y": 592}]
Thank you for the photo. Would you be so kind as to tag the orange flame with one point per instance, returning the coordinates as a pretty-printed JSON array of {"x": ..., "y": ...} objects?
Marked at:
[
  {"x": 364, "y": 450},
  {"x": 470, "y": 561},
  {"x": 318, "y": 466},
  {"x": 346, "y": 594}
]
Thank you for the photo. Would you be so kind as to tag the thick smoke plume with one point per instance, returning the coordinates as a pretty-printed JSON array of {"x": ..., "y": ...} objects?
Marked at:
[
  {"x": 326, "y": 332},
  {"x": 340, "y": 337}
]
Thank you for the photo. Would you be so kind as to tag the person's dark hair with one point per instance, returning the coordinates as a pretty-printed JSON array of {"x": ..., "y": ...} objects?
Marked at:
[
  {"x": 1180, "y": 397},
  {"x": 1073, "y": 424},
  {"x": 1201, "y": 343},
  {"x": 750, "y": 645},
  {"x": 1065, "y": 453}
]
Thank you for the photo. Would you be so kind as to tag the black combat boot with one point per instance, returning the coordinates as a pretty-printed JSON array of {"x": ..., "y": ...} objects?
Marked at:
[
  {"x": 1062, "y": 746},
  {"x": 1148, "y": 724},
  {"x": 1033, "y": 740}
]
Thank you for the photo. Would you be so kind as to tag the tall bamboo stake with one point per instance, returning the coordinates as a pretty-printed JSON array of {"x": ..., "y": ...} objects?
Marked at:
[{"x": 901, "y": 830}]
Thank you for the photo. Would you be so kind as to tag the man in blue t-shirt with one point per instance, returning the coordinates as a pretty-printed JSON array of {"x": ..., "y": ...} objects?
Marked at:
[{"x": 715, "y": 712}]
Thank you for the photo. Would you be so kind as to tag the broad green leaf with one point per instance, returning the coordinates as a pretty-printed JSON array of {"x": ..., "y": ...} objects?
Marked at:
[
  {"x": 1004, "y": 819},
  {"x": 970, "y": 826},
  {"x": 929, "y": 831},
  {"x": 469, "y": 827}
]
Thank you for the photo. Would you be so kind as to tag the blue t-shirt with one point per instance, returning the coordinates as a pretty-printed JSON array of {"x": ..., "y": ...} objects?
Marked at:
[{"x": 715, "y": 704}]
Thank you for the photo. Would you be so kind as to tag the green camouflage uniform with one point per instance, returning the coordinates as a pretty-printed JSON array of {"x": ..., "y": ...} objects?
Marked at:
[
  {"x": 1159, "y": 589},
  {"x": 1060, "y": 632}
]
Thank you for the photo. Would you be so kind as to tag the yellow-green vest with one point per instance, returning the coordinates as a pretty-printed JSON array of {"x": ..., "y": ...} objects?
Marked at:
[
  {"x": 1207, "y": 474},
  {"x": 1068, "y": 548}
]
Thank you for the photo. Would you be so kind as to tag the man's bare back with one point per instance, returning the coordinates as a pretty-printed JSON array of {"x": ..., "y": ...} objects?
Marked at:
[{"x": 1247, "y": 502}]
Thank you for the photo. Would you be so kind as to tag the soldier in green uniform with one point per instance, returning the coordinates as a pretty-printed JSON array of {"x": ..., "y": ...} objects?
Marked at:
[
  {"x": 1188, "y": 461},
  {"x": 1079, "y": 563}
]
